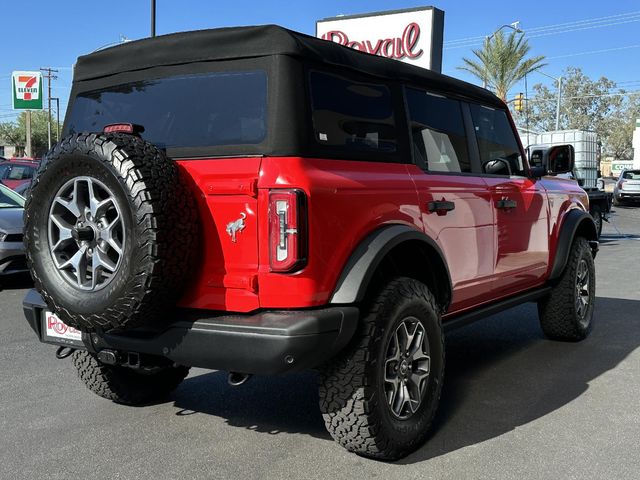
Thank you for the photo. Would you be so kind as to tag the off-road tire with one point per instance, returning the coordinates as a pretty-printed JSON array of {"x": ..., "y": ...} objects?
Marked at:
[
  {"x": 125, "y": 385},
  {"x": 558, "y": 314},
  {"x": 352, "y": 399},
  {"x": 596, "y": 214},
  {"x": 158, "y": 212}
]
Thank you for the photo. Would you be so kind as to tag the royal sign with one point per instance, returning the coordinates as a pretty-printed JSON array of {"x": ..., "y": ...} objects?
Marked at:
[
  {"x": 26, "y": 90},
  {"x": 412, "y": 35}
]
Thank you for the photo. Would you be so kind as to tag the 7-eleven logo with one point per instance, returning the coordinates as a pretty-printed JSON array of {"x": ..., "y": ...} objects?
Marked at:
[{"x": 27, "y": 90}]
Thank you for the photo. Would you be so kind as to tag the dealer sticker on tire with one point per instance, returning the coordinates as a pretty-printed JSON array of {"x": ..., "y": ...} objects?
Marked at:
[{"x": 56, "y": 331}]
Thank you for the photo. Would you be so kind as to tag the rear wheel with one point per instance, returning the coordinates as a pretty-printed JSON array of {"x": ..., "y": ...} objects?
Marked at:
[
  {"x": 126, "y": 385},
  {"x": 379, "y": 397},
  {"x": 567, "y": 312}
]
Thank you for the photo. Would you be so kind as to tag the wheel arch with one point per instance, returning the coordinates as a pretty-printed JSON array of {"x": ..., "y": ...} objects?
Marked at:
[
  {"x": 394, "y": 250},
  {"x": 576, "y": 223}
]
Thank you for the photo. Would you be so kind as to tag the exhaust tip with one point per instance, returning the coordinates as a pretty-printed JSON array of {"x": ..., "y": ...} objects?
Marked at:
[{"x": 235, "y": 379}]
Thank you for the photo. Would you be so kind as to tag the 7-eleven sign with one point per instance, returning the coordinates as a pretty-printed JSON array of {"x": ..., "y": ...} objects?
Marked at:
[{"x": 26, "y": 90}]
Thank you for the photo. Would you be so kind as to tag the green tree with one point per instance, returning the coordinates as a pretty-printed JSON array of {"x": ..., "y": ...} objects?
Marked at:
[
  {"x": 501, "y": 62},
  {"x": 16, "y": 132},
  {"x": 585, "y": 104}
]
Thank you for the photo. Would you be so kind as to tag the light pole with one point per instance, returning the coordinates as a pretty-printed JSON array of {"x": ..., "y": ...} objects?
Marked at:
[
  {"x": 514, "y": 26},
  {"x": 57, "y": 100},
  {"x": 559, "y": 80},
  {"x": 153, "y": 18}
]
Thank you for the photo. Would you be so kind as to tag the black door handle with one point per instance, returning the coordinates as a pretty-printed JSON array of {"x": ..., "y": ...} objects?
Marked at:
[
  {"x": 441, "y": 207},
  {"x": 506, "y": 204}
]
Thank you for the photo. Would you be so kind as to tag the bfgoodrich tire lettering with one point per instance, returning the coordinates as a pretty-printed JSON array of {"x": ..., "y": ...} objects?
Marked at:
[
  {"x": 158, "y": 217},
  {"x": 566, "y": 314},
  {"x": 353, "y": 398}
]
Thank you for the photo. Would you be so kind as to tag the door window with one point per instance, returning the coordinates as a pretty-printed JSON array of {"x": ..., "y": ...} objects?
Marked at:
[
  {"x": 437, "y": 130},
  {"x": 499, "y": 149}
]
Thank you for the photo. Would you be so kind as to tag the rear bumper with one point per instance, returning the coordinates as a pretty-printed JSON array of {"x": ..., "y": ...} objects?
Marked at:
[
  {"x": 628, "y": 195},
  {"x": 268, "y": 342}
]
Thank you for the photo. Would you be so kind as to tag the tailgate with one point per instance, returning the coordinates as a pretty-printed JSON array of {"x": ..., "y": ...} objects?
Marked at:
[{"x": 225, "y": 276}]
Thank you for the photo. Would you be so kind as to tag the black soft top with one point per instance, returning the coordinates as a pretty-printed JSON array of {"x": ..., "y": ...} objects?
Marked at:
[{"x": 260, "y": 41}]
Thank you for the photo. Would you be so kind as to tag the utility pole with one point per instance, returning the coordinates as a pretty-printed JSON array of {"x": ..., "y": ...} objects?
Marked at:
[
  {"x": 49, "y": 75},
  {"x": 153, "y": 18},
  {"x": 558, "y": 103}
]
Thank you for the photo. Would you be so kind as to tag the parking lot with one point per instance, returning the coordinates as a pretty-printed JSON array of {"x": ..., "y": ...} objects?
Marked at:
[{"x": 515, "y": 405}]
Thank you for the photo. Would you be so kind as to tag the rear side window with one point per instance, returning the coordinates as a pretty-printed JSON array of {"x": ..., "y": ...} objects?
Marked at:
[
  {"x": 352, "y": 116},
  {"x": 438, "y": 135},
  {"x": 499, "y": 150},
  {"x": 202, "y": 110}
]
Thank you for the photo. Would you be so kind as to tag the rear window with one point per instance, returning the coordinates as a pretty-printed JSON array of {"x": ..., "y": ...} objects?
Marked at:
[
  {"x": 352, "y": 116},
  {"x": 202, "y": 110},
  {"x": 631, "y": 175}
]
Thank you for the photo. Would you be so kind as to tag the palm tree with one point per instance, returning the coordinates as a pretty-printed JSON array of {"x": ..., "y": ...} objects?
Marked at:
[{"x": 501, "y": 62}]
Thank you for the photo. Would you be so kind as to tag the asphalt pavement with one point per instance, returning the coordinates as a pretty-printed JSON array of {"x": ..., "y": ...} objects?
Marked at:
[{"x": 515, "y": 405}]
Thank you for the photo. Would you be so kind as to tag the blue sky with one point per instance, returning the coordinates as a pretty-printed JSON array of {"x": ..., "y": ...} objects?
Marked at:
[{"x": 43, "y": 33}]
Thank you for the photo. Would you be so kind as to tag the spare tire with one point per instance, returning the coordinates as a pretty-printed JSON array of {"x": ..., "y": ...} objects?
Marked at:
[{"x": 110, "y": 226}]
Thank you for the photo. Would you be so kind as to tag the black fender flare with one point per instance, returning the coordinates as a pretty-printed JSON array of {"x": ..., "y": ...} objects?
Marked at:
[
  {"x": 366, "y": 258},
  {"x": 574, "y": 220}
]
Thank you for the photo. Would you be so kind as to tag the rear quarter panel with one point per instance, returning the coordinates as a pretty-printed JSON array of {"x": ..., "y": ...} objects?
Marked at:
[{"x": 347, "y": 200}]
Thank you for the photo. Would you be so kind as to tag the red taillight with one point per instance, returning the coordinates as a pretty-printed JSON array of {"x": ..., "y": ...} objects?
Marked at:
[
  {"x": 287, "y": 230},
  {"x": 620, "y": 183},
  {"x": 123, "y": 128}
]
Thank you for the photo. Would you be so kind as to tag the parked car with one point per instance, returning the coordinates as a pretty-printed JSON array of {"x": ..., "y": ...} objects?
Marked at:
[
  {"x": 627, "y": 187},
  {"x": 23, "y": 188},
  {"x": 261, "y": 201},
  {"x": 17, "y": 171},
  {"x": 12, "y": 258}
]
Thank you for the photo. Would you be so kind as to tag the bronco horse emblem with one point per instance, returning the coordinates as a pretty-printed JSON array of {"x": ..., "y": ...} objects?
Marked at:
[{"x": 236, "y": 226}]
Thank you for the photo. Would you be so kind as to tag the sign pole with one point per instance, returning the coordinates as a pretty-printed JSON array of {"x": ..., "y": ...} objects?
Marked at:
[{"x": 27, "y": 119}]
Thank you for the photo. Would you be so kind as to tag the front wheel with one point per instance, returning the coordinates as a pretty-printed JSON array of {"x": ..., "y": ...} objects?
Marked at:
[
  {"x": 566, "y": 313},
  {"x": 379, "y": 397},
  {"x": 596, "y": 214}
]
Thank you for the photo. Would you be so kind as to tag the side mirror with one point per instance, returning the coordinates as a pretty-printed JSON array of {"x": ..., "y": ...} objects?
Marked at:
[
  {"x": 559, "y": 159},
  {"x": 497, "y": 166}
]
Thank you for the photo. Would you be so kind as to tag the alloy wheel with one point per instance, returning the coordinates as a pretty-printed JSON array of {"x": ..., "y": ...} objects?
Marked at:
[{"x": 86, "y": 233}]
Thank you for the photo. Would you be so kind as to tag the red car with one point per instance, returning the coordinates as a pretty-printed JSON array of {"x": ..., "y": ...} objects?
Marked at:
[
  {"x": 260, "y": 201},
  {"x": 17, "y": 171}
]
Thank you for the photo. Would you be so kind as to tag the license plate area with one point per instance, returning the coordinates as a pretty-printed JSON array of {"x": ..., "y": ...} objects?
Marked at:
[{"x": 55, "y": 331}]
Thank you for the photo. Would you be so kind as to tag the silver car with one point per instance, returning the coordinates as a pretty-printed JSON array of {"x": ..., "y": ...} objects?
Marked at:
[
  {"x": 627, "y": 187},
  {"x": 12, "y": 257}
]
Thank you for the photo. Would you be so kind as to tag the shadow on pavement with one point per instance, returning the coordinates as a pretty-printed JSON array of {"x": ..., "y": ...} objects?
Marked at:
[
  {"x": 15, "y": 281},
  {"x": 279, "y": 404},
  {"x": 501, "y": 373}
]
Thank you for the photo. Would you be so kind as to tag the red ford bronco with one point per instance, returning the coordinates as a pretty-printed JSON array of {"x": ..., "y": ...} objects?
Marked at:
[{"x": 260, "y": 201}]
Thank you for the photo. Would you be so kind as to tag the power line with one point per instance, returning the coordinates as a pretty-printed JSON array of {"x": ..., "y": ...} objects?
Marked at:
[
  {"x": 605, "y": 50},
  {"x": 570, "y": 25}
]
